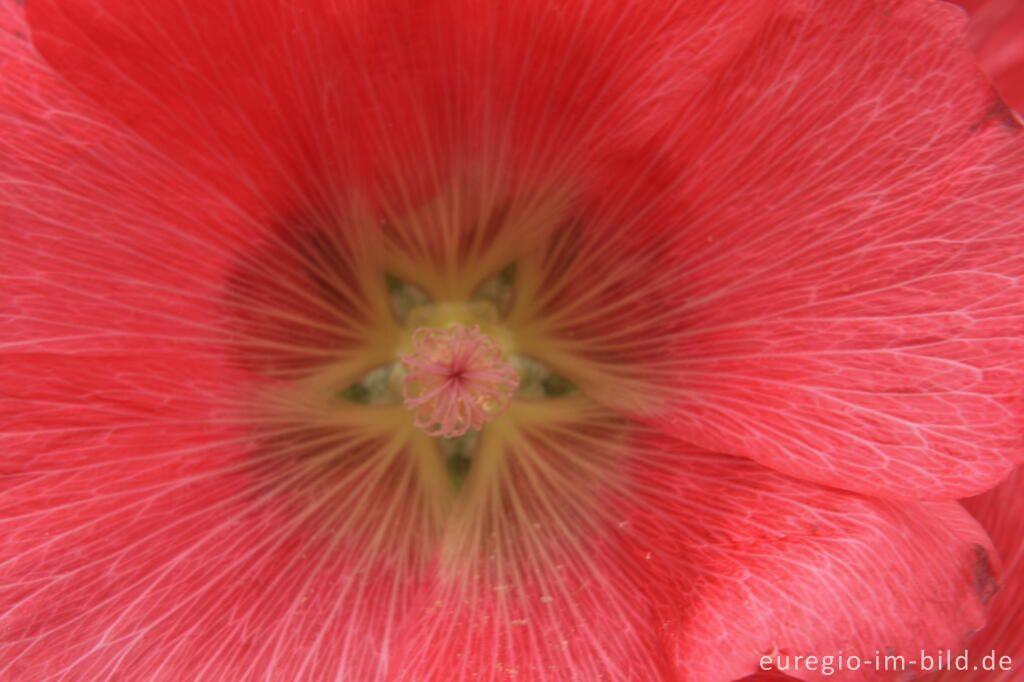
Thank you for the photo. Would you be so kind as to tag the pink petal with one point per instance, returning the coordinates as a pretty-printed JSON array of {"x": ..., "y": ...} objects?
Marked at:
[
  {"x": 996, "y": 651},
  {"x": 142, "y": 535},
  {"x": 745, "y": 562},
  {"x": 106, "y": 247},
  {"x": 1001, "y": 512},
  {"x": 852, "y": 265}
]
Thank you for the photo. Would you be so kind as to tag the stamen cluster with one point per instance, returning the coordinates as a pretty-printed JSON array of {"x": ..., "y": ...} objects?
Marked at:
[{"x": 458, "y": 380}]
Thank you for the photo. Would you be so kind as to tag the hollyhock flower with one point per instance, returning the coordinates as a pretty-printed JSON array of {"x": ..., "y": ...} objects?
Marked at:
[{"x": 467, "y": 340}]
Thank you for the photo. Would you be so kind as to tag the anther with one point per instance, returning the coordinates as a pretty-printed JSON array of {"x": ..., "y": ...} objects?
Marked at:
[{"x": 457, "y": 380}]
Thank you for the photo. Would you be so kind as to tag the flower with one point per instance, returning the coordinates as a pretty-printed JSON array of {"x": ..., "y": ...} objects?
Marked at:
[{"x": 756, "y": 268}]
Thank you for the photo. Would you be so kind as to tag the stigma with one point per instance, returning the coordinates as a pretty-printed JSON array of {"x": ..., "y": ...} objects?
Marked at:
[{"x": 457, "y": 379}]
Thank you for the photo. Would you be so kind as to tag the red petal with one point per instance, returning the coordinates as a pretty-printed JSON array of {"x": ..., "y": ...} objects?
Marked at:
[
  {"x": 106, "y": 248},
  {"x": 852, "y": 268},
  {"x": 744, "y": 562},
  {"x": 997, "y": 35},
  {"x": 272, "y": 118},
  {"x": 1001, "y": 512},
  {"x": 185, "y": 581},
  {"x": 576, "y": 618},
  {"x": 140, "y": 536},
  {"x": 129, "y": 538}
]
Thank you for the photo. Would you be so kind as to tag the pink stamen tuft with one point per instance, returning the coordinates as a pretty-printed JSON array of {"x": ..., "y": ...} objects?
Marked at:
[{"x": 457, "y": 380}]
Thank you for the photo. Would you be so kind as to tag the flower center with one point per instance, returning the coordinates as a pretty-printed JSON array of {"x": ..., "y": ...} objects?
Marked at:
[{"x": 457, "y": 380}]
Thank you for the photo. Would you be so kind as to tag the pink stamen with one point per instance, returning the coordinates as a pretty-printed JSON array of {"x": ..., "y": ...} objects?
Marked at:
[{"x": 457, "y": 380}]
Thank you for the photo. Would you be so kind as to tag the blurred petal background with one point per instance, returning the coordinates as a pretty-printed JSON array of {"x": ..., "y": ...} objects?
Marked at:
[{"x": 997, "y": 35}]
